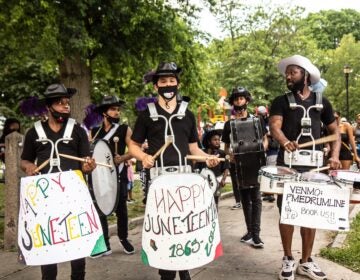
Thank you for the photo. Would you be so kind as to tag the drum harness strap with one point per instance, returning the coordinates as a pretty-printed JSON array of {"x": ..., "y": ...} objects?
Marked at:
[
  {"x": 54, "y": 146},
  {"x": 155, "y": 117},
  {"x": 305, "y": 120}
]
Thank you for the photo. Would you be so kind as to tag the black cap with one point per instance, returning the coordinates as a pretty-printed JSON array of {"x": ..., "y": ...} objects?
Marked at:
[{"x": 239, "y": 91}]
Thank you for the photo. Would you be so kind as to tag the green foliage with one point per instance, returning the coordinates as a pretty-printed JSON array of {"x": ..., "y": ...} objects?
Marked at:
[
  {"x": 328, "y": 27},
  {"x": 348, "y": 53},
  {"x": 349, "y": 255}
]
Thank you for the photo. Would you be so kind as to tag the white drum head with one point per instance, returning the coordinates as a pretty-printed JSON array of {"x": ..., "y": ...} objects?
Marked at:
[
  {"x": 104, "y": 180},
  {"x": 345, "y": 175},
  {"x": 211, "y": 178},
  {"x": 278, "y": 171},
  {"x": 315, "y": 177}
]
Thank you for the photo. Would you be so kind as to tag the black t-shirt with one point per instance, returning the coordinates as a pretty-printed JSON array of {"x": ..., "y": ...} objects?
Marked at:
[
  {"x": 184, "y": 130},
  {"x": 78, "y": 146},
  {"x": 291, "y": 125},
  {"x": 121, "y": 134}
]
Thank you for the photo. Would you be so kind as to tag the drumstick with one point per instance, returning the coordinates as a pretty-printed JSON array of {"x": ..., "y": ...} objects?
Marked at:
[
  {"x": 84, "y": 160},
  {"x": 41, "y": 166},
  {"x": 329, "y": 138},
  {"x": 205, "y": 158},
  {"x": 167, "y": 143},
  {"x": 116, "y": 140},
  {"x": 320, "y": 168}
]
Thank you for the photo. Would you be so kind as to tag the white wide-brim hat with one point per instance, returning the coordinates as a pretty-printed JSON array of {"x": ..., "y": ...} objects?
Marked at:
[{"x": 303, "y": 62}]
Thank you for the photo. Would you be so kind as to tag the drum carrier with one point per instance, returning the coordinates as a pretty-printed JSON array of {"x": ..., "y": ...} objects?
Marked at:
[
  {"x": 44, "y": 140},
  {"x": 304, "y": 157},
  {"x": 246, "y": 135},
  {"x": 156, "y": 171}
]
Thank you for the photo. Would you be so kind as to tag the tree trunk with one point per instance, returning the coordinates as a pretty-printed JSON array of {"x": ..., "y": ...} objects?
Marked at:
[
  {"x": 13, "y": 149},
  {"x": 75, "y": 73}
]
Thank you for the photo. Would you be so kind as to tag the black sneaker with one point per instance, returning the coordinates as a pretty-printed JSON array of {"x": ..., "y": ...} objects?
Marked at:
[
  {"x": 257, "y": 242},
  {"x": 128, "y": 248},
  {"x": 247, "y": 238},
  {"x": 103, "y": 254},
  {"x": 236, "y": 206}
]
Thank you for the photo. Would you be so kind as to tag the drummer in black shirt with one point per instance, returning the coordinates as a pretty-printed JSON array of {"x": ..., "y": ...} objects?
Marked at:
[
  {"x": 57, "y": 99},
  {"x": 166, "y": 83},
  {"x": 110, "y": 108}
]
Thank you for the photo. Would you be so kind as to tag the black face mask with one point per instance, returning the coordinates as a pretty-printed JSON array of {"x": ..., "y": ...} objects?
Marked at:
[
  {"x": 168, "y": 93},
  {"x": 240, "y": 108},
  {"x": 112, "y": 120},
  {"x": 60, "y": 117},
  {"x": 297, "y": 86}
]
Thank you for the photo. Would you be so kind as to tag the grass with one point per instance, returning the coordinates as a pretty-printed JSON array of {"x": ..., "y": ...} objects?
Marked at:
[{"x": 349, "y": 255}]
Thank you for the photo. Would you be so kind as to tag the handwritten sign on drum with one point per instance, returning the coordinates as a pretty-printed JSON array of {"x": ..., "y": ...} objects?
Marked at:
[
  {"x": 57, "y": 219},
  {"x": 315, "y": 205},
  {"x": 181, "y": 227}
]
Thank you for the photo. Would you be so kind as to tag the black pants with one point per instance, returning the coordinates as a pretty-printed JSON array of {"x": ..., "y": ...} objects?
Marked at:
[
  {"x": 49, "y": 272},
  {"x": 251, "y": 203},
  {"x": 171, "y": 274},
  {"x": 235, "y": 182},
  {"x": 121, "y": 216}
]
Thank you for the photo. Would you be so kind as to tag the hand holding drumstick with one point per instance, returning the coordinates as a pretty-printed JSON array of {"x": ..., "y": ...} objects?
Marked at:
[
  {"x": 117, "y": 158},
  {"x": 148, "y": 161}
]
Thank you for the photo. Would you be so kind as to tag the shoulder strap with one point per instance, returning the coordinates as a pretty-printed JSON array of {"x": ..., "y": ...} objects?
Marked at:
[
  {"x": 40, "y": 131},
  {"x": 319, "y": 102},
  {"x": 153, "y": 111},
  {"x": 182, "y": 109},
  {"x": 291, "y": 98},
  {"x": 111, "y": 132},
  {"x": 69, "y": 129}
]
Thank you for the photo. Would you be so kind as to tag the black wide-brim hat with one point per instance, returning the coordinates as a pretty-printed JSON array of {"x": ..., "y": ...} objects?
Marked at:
[
  {"x": 208, "y": 135},
  {"x": 166, "y": 69},
  {"x": 108, "y": 101},
  {"x": 55, "y": 91},
  {"x": 58, "y": 91}
]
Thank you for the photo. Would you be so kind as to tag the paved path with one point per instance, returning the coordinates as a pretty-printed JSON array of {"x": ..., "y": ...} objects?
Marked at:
[{"x": 239, "y": 262}]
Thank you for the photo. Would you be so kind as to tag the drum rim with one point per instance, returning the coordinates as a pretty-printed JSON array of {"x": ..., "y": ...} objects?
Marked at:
[{"x": 90, "y": 178}]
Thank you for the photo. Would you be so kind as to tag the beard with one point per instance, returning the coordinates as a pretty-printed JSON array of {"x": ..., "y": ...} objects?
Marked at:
[{"x": 297, "y": 86}]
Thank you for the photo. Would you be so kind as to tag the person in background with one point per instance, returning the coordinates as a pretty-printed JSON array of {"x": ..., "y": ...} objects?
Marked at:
[
  {"x": 348, "y": 152},
  {"x": 211, "y": 143},
  {"x": 10, "y": 125},
  {"x": 57, "y": 99},
  {"x": 109, "y": 109},
  {"x": 273, "y": 147},
  {"x": 131, "y": 179},
  {"x": 246, "y": 136},
  {"x": 356, "y": 132}
]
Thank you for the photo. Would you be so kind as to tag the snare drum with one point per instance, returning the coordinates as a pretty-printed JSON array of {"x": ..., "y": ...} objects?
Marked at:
[
  {"x": 103, "y": 181},
  {"x": 272, "y": 178},
  {"x": 349, "y": 179}
]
